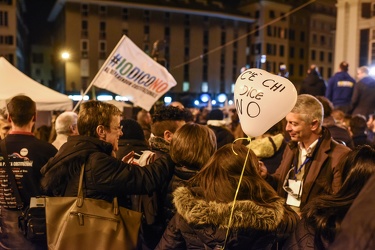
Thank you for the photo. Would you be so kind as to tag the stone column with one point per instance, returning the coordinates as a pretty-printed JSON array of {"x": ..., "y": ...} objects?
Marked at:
[{"x": 347, "y": 34}]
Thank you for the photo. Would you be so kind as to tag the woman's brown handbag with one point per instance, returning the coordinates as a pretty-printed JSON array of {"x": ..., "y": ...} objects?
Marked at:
[{"x": 85, "y": 223}]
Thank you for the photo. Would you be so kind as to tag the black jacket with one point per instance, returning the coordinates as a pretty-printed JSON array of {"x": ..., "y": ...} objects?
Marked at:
[
  {"x": 358, "y": 227},
  {"x": 314, "y": 85},
  {"x": 303, "y": 238},
  {"x": 363, "y": 98},
  {"x": 105, "y": 176},
  {"x": 338, "y": 133},
  {"x": 182, "y": 174},
  {"x": 223, "y": 135},
  {"x": 125, "y": 146}
]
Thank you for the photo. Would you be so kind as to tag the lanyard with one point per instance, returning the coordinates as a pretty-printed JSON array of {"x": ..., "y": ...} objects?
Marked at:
[
  {"x": 307, "y": 159},
  {"x": 296, "y": 171}
]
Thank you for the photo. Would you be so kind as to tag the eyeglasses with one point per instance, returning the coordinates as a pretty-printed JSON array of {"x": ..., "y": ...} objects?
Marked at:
[
  {"x": 288, "y": 189},
  {"x": 117, "y": 128}
]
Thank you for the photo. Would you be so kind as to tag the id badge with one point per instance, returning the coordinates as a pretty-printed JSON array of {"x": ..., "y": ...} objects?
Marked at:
[{"x": 296, "y": 187}]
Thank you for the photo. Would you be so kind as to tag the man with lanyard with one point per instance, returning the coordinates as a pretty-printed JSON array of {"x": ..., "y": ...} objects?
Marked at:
[
  {"x": 308, "y": 167},
  {"x": 27, "y": 155}
]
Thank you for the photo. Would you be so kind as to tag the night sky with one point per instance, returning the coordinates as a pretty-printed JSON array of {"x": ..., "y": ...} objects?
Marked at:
[{"x": 36, "y": 15}]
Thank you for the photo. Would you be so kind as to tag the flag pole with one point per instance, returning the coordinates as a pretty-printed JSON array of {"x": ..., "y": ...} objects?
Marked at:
[{"x": 97, "y": 74}]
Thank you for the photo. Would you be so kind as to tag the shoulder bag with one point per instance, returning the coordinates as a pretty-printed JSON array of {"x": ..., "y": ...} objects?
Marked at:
[{"x": 85, "y": 223}]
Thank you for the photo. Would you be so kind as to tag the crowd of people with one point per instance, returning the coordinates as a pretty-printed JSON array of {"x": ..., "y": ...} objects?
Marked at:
[
  {"x": 298, "y": 186},
  {"x": 351, "y": 102}
]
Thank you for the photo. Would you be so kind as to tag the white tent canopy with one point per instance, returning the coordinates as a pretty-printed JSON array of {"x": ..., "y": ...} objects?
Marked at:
[{"x": 13, "y": 82}]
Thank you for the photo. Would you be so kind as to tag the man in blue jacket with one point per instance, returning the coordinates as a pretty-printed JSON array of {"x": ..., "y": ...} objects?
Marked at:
[{"x": 340, "y": 88}]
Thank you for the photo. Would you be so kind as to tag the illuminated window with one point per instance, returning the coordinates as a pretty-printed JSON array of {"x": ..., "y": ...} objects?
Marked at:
[
  {"x": 204, "y": 87},
  {"x": 185, "y": 86}
]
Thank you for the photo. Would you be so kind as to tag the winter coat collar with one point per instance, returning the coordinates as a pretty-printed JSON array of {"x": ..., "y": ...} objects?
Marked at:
[
  {"x": 247, "y": 214},
  {"x": 77, "y": 148},
  {"x": 216, "y": 123},
  {"x": 68, "y": 160},
  {"x": 185, "y": 172},
  {"x": 267, "y": 146}
]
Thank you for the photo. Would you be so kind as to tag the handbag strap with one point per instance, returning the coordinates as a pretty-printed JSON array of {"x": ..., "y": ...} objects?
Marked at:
[
  {"x": 11, "y": 177},
  {"x": 80, "y": 198},
  {"x": 80, "y": 189}
]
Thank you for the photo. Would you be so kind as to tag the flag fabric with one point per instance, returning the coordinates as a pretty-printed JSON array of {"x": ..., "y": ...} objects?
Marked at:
[{"x": 130, "y": 72}]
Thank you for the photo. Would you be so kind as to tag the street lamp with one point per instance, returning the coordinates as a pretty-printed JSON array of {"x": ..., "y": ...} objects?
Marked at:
[{"x": 65, "y": 55}]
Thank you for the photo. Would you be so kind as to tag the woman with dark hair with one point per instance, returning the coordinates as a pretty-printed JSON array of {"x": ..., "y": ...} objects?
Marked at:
[
  {"x": 322, "y": 217},
  {"x": 204, "y": 206}
]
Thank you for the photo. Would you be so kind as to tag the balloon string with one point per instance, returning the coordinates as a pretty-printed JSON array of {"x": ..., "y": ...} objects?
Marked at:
[
  {"x": 242, "y": 138},
  {"x": 237, "y": 190}
]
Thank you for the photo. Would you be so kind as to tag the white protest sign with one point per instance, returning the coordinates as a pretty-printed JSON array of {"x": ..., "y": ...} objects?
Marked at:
[{"x": 128, "y": 71}]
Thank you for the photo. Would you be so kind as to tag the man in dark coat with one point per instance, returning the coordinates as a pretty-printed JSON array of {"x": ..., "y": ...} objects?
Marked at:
[
  {"x": 166, "y": 120},
  {"x": 363, "y": 99},
  {"x": 338, "y": 132},
  {"x": 358, "y": 131},
  {"x": 313, "y": 84}
]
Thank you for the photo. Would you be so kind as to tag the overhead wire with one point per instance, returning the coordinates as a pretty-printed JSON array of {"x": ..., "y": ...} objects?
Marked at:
[{"x": 244, "y": 35}]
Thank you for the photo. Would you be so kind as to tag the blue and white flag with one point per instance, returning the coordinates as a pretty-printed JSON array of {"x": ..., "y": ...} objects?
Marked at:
[{"x": 128, "y": 71}]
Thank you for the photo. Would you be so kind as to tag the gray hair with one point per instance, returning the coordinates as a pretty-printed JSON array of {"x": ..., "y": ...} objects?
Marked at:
[
  {"x": 310, "y": 108},
  {"x": 64, "y": 122},
  {"x": 364, "y": 69}
]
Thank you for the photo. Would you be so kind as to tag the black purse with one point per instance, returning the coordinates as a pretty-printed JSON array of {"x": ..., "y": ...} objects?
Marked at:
[{"x": 32, "y": 221}]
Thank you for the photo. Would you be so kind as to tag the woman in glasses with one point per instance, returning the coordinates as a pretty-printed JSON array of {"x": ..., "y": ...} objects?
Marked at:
[
  {"x": 322, "y": 217},
  {"x": 204, "y": 207}
]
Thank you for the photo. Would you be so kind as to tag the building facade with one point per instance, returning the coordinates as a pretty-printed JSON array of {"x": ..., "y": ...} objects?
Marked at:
[
  {"x": 203, "y": 43},
  {"x": 321, "y": 49},
  {"x": 13, "y": 33},
  {"x": 355, "y": 36},
  {"x": 198, "y": 43},
  {"x": 41, "y": 65},
  {"x": 294, "y": 33}
]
